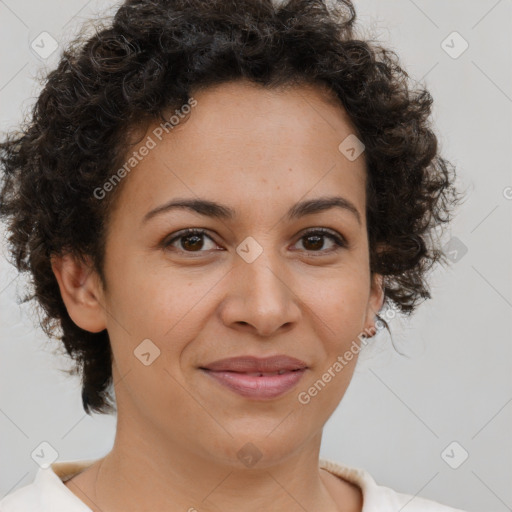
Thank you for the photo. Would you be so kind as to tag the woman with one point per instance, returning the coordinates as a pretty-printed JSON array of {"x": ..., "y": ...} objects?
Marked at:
[{"x": 215, "y": 200}]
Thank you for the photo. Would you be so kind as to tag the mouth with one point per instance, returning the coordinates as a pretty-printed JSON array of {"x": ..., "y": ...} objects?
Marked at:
[
  {"x": 251, "y": 364},
  {"x": 265, "y": 374},
  {"x": 256, "y": 378},
  {"x": 257, "y": 385}
]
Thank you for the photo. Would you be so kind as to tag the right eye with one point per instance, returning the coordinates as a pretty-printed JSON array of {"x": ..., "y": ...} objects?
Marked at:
[{"x": 189, "y": 240}]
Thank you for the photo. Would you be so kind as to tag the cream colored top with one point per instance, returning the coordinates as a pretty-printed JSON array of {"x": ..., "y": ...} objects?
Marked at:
[{"x": 47, "y": 493}]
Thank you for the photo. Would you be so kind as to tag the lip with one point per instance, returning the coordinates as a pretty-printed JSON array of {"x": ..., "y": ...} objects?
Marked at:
[
  {"x": 251, "y": 364},
  {"x": 237, "y": 374}
]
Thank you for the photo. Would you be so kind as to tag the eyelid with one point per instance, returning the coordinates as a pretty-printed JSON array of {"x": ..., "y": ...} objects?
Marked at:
[
  {"x": 340, "y": 241},
  {"x": 168, "y": 240},
  {"x": 337, "y": 238}
]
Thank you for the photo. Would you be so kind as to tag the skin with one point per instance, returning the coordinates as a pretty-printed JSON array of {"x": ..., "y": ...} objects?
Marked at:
[{"x": 259, "y": 152}]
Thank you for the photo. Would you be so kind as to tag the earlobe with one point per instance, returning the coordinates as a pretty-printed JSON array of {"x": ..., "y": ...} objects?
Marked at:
[
  {"x": 378, "y": 286},
  {"x": 81, "y": 291},
  {"x": 376, "y": 300}
]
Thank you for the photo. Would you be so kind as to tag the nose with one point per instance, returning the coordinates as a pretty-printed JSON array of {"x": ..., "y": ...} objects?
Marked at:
[{"x": 260, "y": 298}]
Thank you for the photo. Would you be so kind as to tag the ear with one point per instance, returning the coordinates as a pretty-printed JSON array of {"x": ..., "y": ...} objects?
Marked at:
[
  {"x": 375, "y": 301},
  {"x": 81, "y": 291}
]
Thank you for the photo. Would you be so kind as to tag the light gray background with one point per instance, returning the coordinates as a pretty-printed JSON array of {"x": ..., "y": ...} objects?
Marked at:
[{"x": 399, "y": 414}]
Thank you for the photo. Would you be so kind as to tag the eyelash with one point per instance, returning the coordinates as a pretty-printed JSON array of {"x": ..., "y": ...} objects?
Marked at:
[{"x": 339, "y": 241}]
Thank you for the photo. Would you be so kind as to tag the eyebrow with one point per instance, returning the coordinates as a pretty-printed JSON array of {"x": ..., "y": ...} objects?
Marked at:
[{"x": 219, "y": 211}]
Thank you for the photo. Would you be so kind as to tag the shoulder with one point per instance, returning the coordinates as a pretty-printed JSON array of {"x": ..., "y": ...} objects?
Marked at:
[
  {"x": 47, "y": 493},
  {"x": 22, "y": 500},
  {"x": 377, "y": 498}
]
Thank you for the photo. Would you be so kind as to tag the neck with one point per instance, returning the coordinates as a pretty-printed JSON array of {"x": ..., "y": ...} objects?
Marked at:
[{"x": 143, "y": 470}]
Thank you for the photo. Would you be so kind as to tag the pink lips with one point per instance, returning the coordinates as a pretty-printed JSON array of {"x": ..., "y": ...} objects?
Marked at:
[{"x": 257, "y": 378}]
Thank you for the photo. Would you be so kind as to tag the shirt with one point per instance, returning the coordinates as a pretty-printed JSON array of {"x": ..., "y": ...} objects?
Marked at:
[{"x": 47, "y": 493}]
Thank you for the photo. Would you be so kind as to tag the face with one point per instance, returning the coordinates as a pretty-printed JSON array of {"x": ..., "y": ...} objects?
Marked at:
[{"x": 269, "y": 278}]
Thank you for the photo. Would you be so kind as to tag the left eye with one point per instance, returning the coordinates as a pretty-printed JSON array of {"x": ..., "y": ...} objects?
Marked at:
[
  {"x": 315, "y": 240},
  {"x": 192, "y": 240}
]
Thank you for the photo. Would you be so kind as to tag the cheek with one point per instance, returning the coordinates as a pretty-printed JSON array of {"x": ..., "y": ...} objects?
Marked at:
[
  {"x": 342, "y": 307},
  {"x": 148, "y": 299},
  {"x": 160, "y": 313},
  {"x": 320, "y": 395},
  {"x": 154, "y": 316},
  {"x": 338, "y": 304}
]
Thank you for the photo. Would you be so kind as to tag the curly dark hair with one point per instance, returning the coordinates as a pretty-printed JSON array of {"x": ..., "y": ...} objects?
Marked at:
[{"x": 148, "y": 58}]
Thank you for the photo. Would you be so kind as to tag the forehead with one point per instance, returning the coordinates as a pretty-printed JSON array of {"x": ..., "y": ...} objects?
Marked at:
[{"x": 246, "y": 145}]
